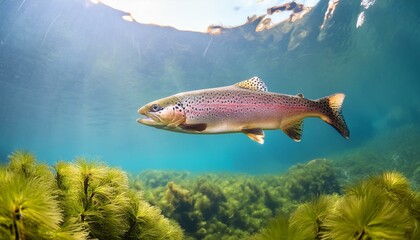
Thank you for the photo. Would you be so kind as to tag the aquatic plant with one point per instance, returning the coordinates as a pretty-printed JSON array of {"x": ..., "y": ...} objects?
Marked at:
[
  {"x": 29, "y": 205},
  {"x": 209, "y": 199},
  {"x": 28, "y": 208},
  {"x": 178, "y": 204},
  {"x": 214, "y": 206},
  {"x": 24, "y": 164},
  {"x": 379, "y": 207},
  {"x": 308, "y": 219},
  {"x": 415, "y": 208},
  {"x": 277, "y": 228},
  {"x": 96, "y": 197},
  {"x": 368, "y": 217},
  {"x": 397, "y": 187},
  {"x": 158, "y": 178},
  {"x": 146, "y": 222},
  {"x": 79, "y": 201},
  {"x": 318, "y": 176}
]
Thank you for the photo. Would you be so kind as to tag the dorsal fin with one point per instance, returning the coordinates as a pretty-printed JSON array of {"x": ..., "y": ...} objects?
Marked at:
[
  {"x": 295, "y": 131},
  {"x": 254, "y": 84},
  {"x": 300, "y": 95}
]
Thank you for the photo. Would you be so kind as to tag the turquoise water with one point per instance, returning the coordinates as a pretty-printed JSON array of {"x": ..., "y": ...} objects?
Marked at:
[{"x": 73, "y": 74}]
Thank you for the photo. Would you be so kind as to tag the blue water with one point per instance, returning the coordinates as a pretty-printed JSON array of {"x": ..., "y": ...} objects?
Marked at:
[{"x": 73, "y": 74}]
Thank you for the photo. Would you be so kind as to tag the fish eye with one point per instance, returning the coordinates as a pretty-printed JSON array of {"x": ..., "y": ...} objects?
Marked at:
[{"x": 155, "y": 108}]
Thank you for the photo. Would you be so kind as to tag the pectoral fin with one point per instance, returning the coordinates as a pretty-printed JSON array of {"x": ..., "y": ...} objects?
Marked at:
[
  {"x": 295, "y": 131},
  {"x": 255, "y": 134},
  {"x": 198, "y": 127}
]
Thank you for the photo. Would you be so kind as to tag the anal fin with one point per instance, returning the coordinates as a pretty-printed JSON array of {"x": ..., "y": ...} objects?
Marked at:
[
  {"x": 255, "y": 134},
  {"x": 295, "y": 130}
]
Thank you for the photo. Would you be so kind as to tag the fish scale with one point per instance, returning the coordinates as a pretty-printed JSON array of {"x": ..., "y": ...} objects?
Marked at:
[{"x": 242, "y": 103}]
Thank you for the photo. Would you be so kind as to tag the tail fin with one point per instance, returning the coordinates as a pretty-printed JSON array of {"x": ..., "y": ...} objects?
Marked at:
[{"x": 331, "y": 109}]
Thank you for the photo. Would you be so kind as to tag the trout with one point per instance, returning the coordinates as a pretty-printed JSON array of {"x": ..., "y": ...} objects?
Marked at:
[{"x": 245, "y": 107}]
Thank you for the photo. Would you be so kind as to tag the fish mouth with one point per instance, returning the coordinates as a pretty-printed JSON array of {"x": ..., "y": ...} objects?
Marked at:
[
  {"x": 146, "y": 121},
  {"x": 149, "y": 118}
]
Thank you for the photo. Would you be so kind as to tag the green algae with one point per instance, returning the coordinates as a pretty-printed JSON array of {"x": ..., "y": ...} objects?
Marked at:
[
  {"x": 23, "y": 207},
  {"x": 277, "y": 228},
  {"x": 307, "y": 221},
  {"x": 234, "y": 206},
  {"x": 80, "y": 200},
  {"x": 86, "y": 199},
  {"x": 379, "y": 207},
  {"x": 229, "y": 206}
]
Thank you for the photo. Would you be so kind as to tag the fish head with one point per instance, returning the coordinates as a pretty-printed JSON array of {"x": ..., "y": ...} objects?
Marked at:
[{"x": 167, "y": 113}]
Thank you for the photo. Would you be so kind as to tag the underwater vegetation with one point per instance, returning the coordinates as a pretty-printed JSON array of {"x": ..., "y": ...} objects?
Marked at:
[
  {"x": 28, "y": 201},
  {"x": 75, "y": 200},
  {"x": 233, "y": 206},
  {"x": 276, "y": 229},
  {"x": 86, "y": 199},
  {"x": 309, "y": 196},
  {"x": 379, "y": 207}
]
